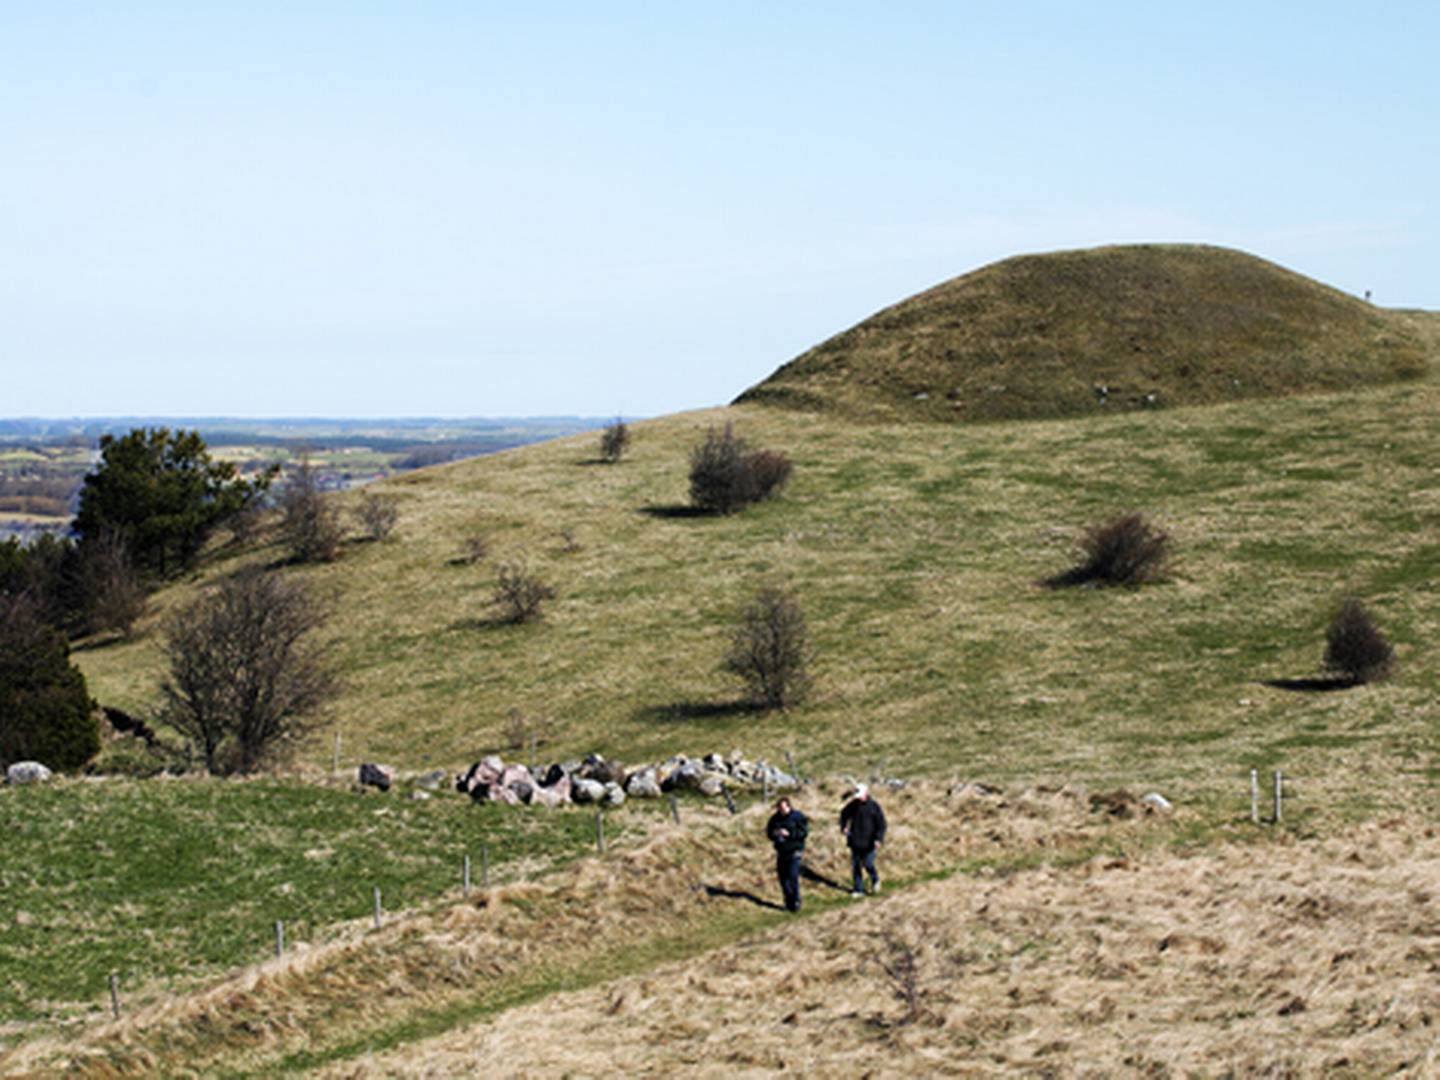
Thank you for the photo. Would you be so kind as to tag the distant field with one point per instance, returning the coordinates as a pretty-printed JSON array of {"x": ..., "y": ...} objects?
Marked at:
[{"x": 43, "y": 463}]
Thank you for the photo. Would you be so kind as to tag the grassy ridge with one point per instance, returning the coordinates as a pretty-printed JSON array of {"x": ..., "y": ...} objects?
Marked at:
[
  {"x": 1104, "y": 329},
  {"x": 914, "y": 552}
]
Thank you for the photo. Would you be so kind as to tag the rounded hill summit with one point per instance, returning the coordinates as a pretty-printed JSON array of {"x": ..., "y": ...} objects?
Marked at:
[{"x": 1077, "y": 332}]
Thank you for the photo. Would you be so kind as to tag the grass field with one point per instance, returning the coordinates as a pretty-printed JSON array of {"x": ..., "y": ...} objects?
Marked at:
[{"x": 915, "y": 551}]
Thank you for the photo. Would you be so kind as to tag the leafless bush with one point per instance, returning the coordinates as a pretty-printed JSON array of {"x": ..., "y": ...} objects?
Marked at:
[
  {"x": 1355, "y": 647},
  {"x": 520, "y": 594},
  {"x": 242, "y": 670},
  {"x": 1126, "y": 550},
  {"x": 725, "y": 475},
  {"x": 770, "y": 650},
  {"x": 377, "y": 515},
  {"x": 899, "y": 962},
  {"x": 310, "y": 523},
  {"x": 614, "y": 441},
  {"x": 113, "y": 590},
  {"x": 476, "y": 548},
  {"x": 570, "y": 542},
  {"x": 524, "y": 732}
]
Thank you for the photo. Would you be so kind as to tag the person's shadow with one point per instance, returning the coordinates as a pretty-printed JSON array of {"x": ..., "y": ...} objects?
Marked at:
[
  {"x": 806, "y": 872},
  {"x": 741, "y": 894}
]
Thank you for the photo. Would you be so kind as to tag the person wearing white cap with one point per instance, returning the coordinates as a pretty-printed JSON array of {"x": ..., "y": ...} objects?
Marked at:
[{"x": 863, "y": 823}]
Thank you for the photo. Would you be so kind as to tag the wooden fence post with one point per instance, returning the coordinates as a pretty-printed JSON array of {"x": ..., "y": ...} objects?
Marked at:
[
  {"x": 279, "y": 939},
  {"x": 1255, "y": 796},
  {"x": 675, "y": 807},
  {"x": 1278, "y": 787},
  {"x": 465, "y": 886},
  {"x": 377, "y": 907},
  {"x": 600, "y": 831}
]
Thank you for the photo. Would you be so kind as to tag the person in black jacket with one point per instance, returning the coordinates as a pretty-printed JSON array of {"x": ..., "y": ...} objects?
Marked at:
[
  {"x": 863, "y": 823},
  {"x": 787, "y": 829}
]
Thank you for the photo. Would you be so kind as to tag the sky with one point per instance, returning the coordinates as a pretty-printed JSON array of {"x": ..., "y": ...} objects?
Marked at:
[{"x": 427, "y": 208}]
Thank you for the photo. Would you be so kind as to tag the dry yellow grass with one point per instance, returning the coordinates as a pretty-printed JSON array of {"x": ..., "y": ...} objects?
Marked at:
[
  {"x": 1303, "y": 958},
  {"x": 1068, "y": 940}
]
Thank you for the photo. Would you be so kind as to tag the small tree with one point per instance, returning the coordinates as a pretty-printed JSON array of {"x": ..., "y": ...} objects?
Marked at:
[
  {"x": 1355, "y": 647},
  {"x": 770, "y": 650},
  {"x": 519, "y": 593},
  {"x": 46, "y": 714},
  {"x": 614, "y": 441},
  {"x": 310, "y": 523},
  {"x": 243, "y": 671},
  {"x": 377, "y": 515},
  {"x": 1126, "y": 550}
]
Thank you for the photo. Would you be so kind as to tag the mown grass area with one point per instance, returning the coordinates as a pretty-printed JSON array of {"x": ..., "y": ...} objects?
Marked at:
[{"x": 170, "y": 883}]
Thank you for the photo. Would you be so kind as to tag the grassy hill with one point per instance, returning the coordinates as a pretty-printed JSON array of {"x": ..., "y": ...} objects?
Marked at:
[
  {"x": 1074, "y": 333},
  {"x": 914, "y": 550}
]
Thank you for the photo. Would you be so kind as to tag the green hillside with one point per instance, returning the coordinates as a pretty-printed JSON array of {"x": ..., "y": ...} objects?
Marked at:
[
  {"x": 1101, "y": 330},
  {"x": 914, "y": 550}
]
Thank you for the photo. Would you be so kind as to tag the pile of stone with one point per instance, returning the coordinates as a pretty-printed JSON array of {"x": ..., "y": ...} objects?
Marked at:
[{"x": 607, "y": 783}]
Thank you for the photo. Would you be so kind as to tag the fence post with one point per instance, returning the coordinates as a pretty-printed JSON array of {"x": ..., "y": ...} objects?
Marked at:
[
  {"x": 115, "y": 995},
  {"x": 1255, "y": 796},
  {"x": 1278, "y": 787},
  {"x": 465, "y": 887},
  {"x": 377, "y": 907},
  {"x": 279, "y": 939},
  {"x": 729, "y": 799},
  {"x": 600, "y": 831},
  {"x": 675, "y": 808}
]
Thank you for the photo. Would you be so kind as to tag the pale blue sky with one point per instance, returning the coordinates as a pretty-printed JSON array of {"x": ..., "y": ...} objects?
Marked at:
[{"x": 472, "y": 209}]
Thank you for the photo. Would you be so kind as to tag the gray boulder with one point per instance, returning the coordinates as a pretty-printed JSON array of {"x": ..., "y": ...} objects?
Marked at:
[
  {"x": 431, "y": 781},
  {"x": 27, "y": 772}
]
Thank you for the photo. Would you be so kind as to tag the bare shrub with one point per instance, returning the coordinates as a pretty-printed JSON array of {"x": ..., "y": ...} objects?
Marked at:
[
  {"x": 1126, "y": 550},
  {"x": 476, "y": 548},
  {"x": 520, "y": 594},
  {"x": 377, "y": 515},
  {"x": 726, "y": 476},
  {"x": 570, "y": 542},
  {"x": 310, "y": 523},
  {"x": 1355, "y": 647},
  {"x": 614, "y": 441},
  {"x": 242, "y": 670},
  {"x": 524, "y": 732},
  {"x": 766, "y": 472},
  {"x": 899, "y": 962},
  {"x": 770, "y": 649},
  {"x": 113, "y": 589}
]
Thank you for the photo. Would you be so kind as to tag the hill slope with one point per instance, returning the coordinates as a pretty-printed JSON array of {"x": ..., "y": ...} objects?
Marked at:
[{"x": 1076, "y": 332}]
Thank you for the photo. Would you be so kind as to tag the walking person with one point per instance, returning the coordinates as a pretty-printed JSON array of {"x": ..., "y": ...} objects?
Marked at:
[
  {"x": 787, "y": 829},
  {"x": 863, "y": 823}
]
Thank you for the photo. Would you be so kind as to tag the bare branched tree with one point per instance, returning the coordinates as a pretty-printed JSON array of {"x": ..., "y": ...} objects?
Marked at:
[
  {"x": 310, "y": 524},
  {"x": 112, "y": 586},
  {"x": 770, "y": 649},
  {"x": 244, "y": 672}
]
